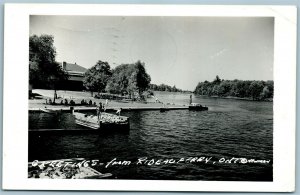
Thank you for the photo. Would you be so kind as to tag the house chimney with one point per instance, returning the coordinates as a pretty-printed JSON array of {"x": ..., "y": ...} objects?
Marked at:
[{"x": 64, "y": 65}]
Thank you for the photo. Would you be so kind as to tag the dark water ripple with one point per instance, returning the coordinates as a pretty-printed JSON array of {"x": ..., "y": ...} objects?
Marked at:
[{"x": 231, "y": 128}]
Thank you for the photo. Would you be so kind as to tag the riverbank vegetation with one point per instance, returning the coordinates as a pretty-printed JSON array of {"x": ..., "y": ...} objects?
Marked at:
[
  {"x": 96, "y": 78},
  {"x": 129, "y": 80},
  {"x": 255, "y": 90},
  {"x": 44, "y": 71},
  {"x": 164, "y": 87}
]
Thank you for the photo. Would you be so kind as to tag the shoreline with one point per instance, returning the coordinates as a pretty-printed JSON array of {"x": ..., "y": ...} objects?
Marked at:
[
  {"x": 39, "y": 104},
  {"x": 236, "y": 98}
]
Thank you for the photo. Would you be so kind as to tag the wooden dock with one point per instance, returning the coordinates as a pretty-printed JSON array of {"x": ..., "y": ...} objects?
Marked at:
[{"x": 87, "y": 109}]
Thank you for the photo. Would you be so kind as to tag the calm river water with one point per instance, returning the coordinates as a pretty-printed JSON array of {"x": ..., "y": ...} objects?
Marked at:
[{"x": 229, "y": 129}]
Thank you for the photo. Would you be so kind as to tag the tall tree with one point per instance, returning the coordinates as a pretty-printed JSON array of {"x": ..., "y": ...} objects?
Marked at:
[
  {"x": 96, "y": 78},
  {"x": 129, "y": 79},
  {"x": 142, "y": 78},
  {"x": 256, "y": 88},
  {"x": 44, "y": 71},
  {"x": 217, "y": 80}
]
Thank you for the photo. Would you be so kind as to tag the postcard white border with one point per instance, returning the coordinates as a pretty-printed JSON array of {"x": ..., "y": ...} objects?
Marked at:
[{"x": 15, "y": 100}]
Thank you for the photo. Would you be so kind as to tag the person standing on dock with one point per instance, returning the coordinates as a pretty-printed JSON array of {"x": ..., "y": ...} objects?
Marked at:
[
  {"x": 105, "y": 105},
  {"x": 157, "y": 100},
  {"x": 190, "y": 99},
  {"x": 99, "y": 111},
  {"x": 119, "y": 111}
]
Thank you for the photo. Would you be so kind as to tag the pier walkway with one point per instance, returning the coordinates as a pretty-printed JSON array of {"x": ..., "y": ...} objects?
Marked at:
[{"x": 85, "y": 108}]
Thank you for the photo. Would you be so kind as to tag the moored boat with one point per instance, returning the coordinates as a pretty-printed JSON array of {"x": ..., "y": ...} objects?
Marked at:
[
  {"x": 164, "y": 109},
  {"x": 50, "y": 111},
  {"x": 197, "y": 107},
  {"x": 106, "y": 121}
]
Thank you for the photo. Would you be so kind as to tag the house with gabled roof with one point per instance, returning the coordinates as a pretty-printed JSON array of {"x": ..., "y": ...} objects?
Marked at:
[{"x": 76, "y": 76}]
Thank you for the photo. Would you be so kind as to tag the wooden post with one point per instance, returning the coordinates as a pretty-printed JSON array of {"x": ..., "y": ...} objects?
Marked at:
[{"x": 72, "y": 109}]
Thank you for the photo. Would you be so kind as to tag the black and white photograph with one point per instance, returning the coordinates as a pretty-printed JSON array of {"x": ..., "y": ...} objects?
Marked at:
[
  {"x": 158, "y": 98},
  {"x": 124, "y": 97}
]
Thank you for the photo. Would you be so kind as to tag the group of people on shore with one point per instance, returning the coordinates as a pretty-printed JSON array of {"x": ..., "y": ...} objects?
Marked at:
[
  {"x": 100, "y": 108},
  {"x": 66, "y": 102},
  {"x": 62, "y": 102},
  {"x": 85, "y": 103}
]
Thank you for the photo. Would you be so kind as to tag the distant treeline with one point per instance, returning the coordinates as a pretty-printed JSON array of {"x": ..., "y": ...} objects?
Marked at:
[
  {"x": 256, "y": 90},
  {"x": 164, "y": 87}
]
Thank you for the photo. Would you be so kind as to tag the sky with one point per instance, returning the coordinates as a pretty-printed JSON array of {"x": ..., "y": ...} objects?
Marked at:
[{"x": 180, "y": 51}]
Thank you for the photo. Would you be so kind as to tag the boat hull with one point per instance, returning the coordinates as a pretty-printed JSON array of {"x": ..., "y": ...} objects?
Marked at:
[
  {"x": 198, "y": 108},
  {"x": 107, "y": 122}
]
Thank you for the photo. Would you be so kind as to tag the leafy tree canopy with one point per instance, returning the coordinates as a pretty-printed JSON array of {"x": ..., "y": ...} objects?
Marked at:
[
  {"x": 164, "y": 87},
  {"x": 96, "y": 78},
  {"x": 129, "y": 79},
  {"x": 44, "y": 71},
  {"x": 256, "y": 90}
]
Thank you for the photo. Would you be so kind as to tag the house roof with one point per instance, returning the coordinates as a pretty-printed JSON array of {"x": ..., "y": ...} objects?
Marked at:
[{"x": 74, "y": 68}]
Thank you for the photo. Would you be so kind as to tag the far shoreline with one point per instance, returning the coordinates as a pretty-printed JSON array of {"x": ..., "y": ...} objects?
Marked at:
[{"x": 236, "y": 98}]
